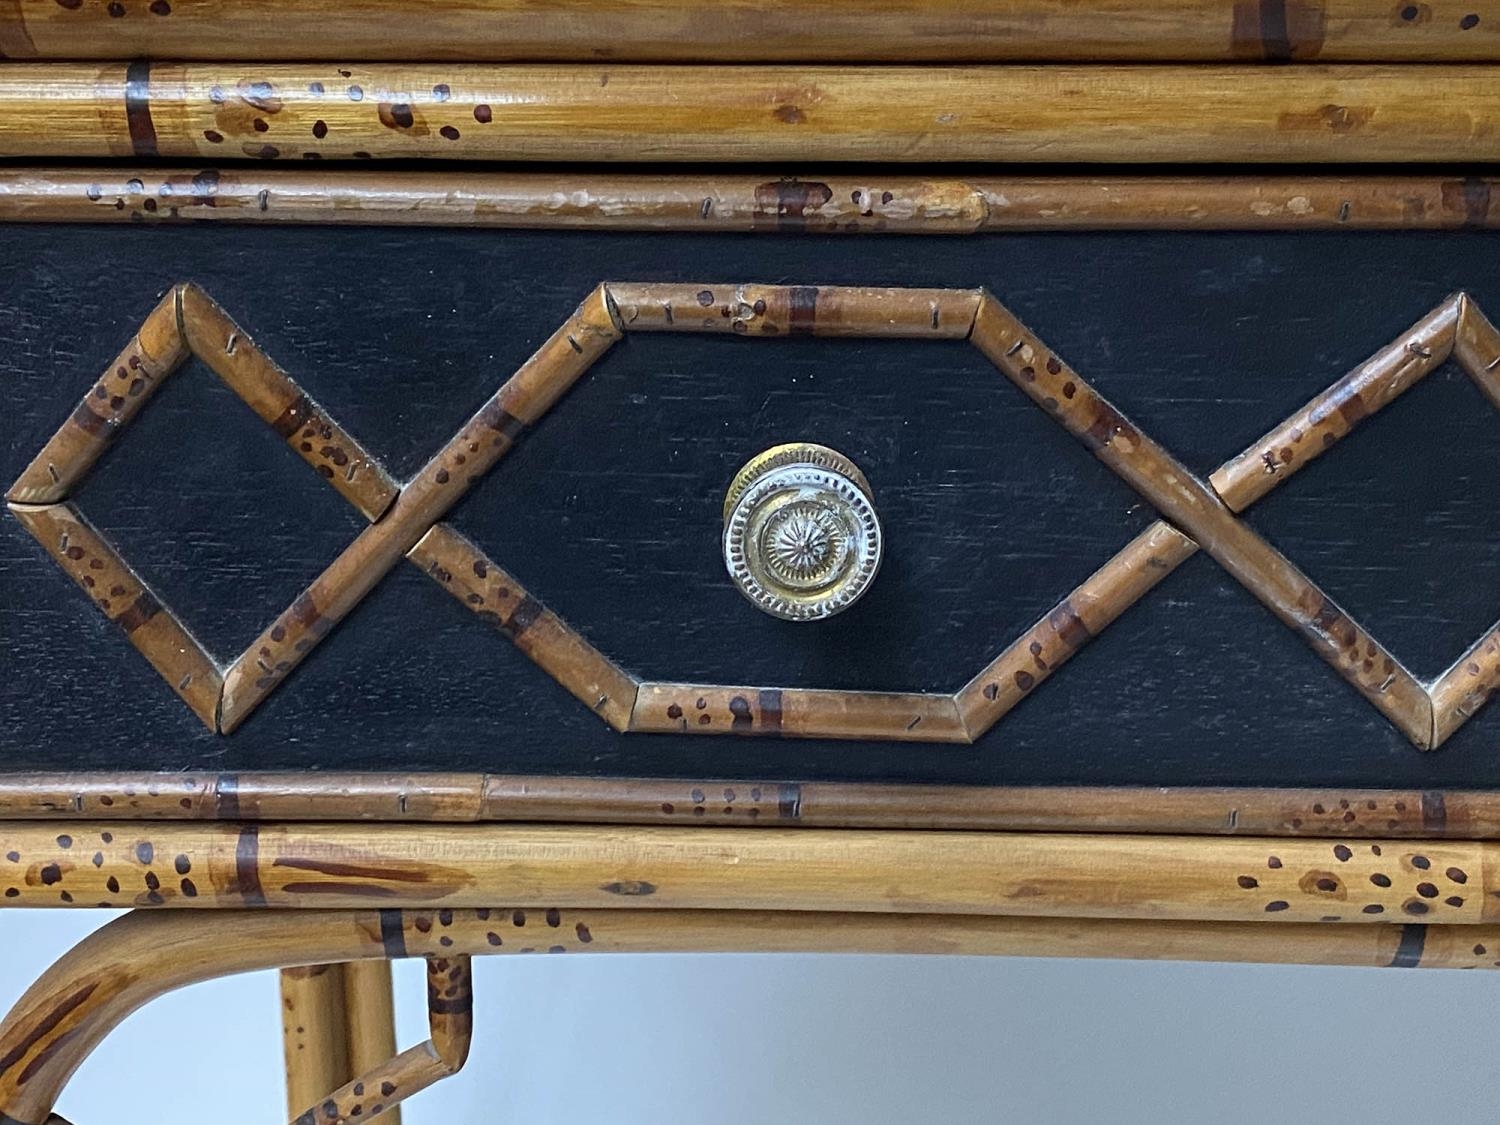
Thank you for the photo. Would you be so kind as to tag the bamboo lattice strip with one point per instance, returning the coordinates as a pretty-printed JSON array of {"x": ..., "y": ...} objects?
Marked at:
[
  {"x": 1191, "y": 505},
  {"x": 1335, "y": 412},
  {"x": 285, "y": 866},
  {"x": 462, "y": 569},
  {"x": 1477, "y": 349},
  {"x": 116, "y": 970},
  {"x": 1028, "y": 660},
  {"x": 279, "y": 402},
  {"x": 668, "y": 708},
  {"x": 589, "y": 112},
  {"x": 762, "y": 31},
  {"x": 155, "y": 632},
  {"x": 438, "y": 485},
  {"x": 795, "y": 310},
  {"x": 875, "y": 201},
  {"x": 154, "y": 352}
]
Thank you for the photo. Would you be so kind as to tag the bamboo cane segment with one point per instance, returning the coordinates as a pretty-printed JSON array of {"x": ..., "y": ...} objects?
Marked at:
[
  {"x": 591, "y": 112},
  {"x": 438, "y": 485},
  {"x": 206, "y": 865},
  {"x": 1195, "y": 508},
  {"x": 155, "y": 351},
  {"x": 750, "y": 802},
  {"x": 123, "y": 596},
  {"x": 314, "y": 1032},
  {"x": 370, "y": 1016},
  {"x": 877, "y": 201},
  {"x": 744, "y": 31},
  {"x": 495, "y": 596},
  {"x": 132, "y": 960}
]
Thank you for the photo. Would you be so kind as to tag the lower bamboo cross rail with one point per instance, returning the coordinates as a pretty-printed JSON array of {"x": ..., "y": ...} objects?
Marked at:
[
  {"x": 135, "y": 959},
  {"x": 202, "y": 865}
]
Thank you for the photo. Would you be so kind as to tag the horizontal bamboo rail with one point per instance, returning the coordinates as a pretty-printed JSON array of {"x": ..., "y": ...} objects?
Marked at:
[
  {"x": 742, "y": 30},
  {"x": 135, "y": 959},
  {"x": 457, "y": 111},
  {"x": 324, "y": 866},
  {"x": 720, "y": 802},
  {"x": 873, "y": 201}
]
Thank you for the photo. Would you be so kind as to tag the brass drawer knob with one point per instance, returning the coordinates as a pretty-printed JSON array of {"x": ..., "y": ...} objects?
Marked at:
[{"x": 801, "y": 537}]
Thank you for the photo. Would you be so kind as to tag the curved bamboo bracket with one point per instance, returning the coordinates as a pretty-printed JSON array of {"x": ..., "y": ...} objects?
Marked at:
[{"x": 135, "y": 959}]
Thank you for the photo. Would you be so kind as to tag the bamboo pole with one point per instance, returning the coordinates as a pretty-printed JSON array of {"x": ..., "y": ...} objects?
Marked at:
[
  {"x": 125, "y": 965},
  {"x": 314, "y": 1033},
  {"x": 749, "y": 30},
  {"x": 370, "y": 1021},
  {"x": 751, "y": 802},
  {"x": 1113, "y": 114},
  {"x": 1354, "y": 880},
  {"x": 874, "y": 201}
]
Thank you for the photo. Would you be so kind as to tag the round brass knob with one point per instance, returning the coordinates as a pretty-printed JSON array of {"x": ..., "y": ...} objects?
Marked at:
[{"x": 801, "y": 538}]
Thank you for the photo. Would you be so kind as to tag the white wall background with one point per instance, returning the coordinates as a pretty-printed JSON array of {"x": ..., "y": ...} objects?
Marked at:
[{"x": 754, "y": 1040}]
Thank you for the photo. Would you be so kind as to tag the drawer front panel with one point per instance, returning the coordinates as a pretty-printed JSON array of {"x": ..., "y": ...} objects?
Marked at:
[{"x": 608, "y": 511}]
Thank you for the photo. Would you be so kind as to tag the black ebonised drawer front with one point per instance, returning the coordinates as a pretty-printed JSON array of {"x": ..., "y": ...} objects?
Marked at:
[{"x": 608, "y": 511}]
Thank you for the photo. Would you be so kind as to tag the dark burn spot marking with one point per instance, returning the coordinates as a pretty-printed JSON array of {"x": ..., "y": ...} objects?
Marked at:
[
  {"x": 320, "y": 129},
  {"x": 50, "y": 874},
  {"x": 1421, "y": 862},
  {"x": 1380, "y": 880},
  {"x": 583, "y": 933},
  {"x": 739, "y": 707},
  {"x": 1469, "y": 22},
  {"x": 483, "y": 114},
  {"x": 448, "y": 132},
  {"x": 631, "y": 887},
  {"x": 1248, "y": 882},
  {"x": 554, "y": 917},
  {"x": 144, "y": 852},
  {"x": 1273, "y": 862},
  {"x": 1414, "y": 906},
  {"x": 1277, "y": 906},
  {"x": 1456, "y": 875},
  {"x": 1342, "y": 853},
  {"x": 396, "y": 115},
  {"x": 1427, "y": 890}
]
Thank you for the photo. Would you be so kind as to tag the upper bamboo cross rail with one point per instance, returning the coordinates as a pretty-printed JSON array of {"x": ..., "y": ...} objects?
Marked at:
[{"x": 406, "y": 519}]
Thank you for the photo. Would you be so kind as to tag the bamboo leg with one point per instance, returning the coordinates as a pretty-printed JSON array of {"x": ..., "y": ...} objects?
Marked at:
[
  {"x": 315, "y": 1033},
  {"x": 133, "y": 960},
  {"x": 394, "y": 1078},
  {"x": 370, "y": 1018}
]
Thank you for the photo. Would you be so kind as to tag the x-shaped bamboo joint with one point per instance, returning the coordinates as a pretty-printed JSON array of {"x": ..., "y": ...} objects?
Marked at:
[{"x": 406, "y": 518}]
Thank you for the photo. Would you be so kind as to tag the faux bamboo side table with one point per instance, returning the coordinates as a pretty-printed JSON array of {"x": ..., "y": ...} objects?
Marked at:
[{"x": 906, "y": 399}]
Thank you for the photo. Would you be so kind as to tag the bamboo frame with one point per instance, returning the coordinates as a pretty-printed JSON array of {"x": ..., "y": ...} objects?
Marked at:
[
  {"x": 722, "y": 802},
  {"x": 872, "y": 202},
  {"x": 314, "y": 1033},
  {"x": 1355, "y": 880},
  {"x": 742, "y": 31},
  {"x": 1193, "y": 514},
  {"x": 115, "y": 971},
  {"x": 591, "y": 112}
]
